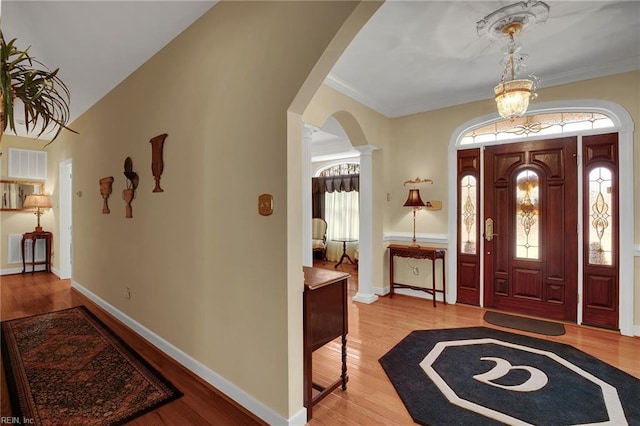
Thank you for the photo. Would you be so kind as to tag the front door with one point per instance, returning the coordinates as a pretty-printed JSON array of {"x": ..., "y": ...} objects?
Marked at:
[{"x": 530, "y": 228}]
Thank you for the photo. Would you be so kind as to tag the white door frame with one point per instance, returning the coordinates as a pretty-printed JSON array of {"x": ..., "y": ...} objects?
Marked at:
[
  {"x": 623, "y": 124},
  {"x": 65, "y": 194}
]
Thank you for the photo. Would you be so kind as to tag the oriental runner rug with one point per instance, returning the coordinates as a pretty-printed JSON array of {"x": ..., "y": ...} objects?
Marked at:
[
  {"x": 67, "y": 367},
  {"x": 482, "y": 376}
]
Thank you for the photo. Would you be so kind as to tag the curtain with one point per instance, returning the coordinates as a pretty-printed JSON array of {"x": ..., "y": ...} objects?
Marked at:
[
  {"x": 327, "y": 184},
  {"x": 342, "y": 213}
]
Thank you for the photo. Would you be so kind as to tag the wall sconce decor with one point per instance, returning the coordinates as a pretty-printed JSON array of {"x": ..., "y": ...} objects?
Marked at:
[
  {"x": 132, "y": 183},
  {"x": 105, "y": 191},
  {"x": 157, "y": 163},
  {"x": 38, "y": 202}
]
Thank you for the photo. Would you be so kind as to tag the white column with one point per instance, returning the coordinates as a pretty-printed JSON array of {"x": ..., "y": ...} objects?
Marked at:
[
  {"x": 365, "y": 292},
  {"x": 307, "y": 254}
]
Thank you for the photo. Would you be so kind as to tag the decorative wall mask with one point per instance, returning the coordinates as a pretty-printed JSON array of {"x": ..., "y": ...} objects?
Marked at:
[
  {"x": 132, "y": 183},
  {"x": 157, "y": 163},
  {"x": 105, "y": 191}
]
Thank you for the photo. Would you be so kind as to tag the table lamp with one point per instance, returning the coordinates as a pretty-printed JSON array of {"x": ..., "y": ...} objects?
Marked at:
[
  {"x": 416, "y": 202},
  {"x": 38, "y": 202}
]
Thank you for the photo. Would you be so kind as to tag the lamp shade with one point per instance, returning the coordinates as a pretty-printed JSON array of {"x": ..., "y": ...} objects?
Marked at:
[
  {"x": 414, "y": 199},
  {"x": 41, "y": 201},
  {"x": 512, "y": 97}
]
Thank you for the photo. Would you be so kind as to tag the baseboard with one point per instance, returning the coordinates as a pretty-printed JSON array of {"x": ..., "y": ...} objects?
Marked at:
[
  {"x": 18, "y": 270},
  {"x": 636, "y": 330},
  {"x": 220, "y": 383}
]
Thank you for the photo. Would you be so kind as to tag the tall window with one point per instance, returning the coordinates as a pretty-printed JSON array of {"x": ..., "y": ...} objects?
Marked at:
[{"x": 335, "y": 191}]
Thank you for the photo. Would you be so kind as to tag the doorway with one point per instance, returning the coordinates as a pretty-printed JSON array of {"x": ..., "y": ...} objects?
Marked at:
[
  {"x": 65, "y": 223},
  {"x": 530, "y": 228},
  {"x": 615, "y": 119}
]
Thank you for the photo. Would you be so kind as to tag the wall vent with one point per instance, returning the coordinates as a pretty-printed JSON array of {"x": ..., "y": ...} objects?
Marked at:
[{"x": 27, "y": 164}]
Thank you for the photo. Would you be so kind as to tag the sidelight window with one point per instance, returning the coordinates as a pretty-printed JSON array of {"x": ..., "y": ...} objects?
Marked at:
[
  {"x": 468, "y": 214},
  {"x": 600, "y": 202}
]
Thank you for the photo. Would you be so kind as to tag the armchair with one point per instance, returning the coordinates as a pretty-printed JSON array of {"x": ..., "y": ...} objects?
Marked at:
[{"x": 319, "y": 237}]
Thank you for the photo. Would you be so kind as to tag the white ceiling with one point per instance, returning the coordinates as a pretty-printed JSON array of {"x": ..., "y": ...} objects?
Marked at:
[{"x": 412, "y": 56}]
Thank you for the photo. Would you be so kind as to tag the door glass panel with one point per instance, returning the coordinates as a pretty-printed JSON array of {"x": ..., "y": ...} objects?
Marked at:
[
  {"x": 527, "y": 215},
  {"x": 468, "y": 214},
  {"x": 600, "y": 235}
]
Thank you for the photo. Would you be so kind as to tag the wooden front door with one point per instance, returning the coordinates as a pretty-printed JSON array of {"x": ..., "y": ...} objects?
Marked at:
[{"x": 530, "y": 228}]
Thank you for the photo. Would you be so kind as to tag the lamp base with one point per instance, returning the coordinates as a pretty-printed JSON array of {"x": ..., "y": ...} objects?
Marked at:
[
  {"x": 414, "y": 244},
  {"x": 39, "y": 229}
]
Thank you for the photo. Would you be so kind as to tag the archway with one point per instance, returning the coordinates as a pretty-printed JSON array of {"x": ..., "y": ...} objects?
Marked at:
[{"x": 356, "y": 136}]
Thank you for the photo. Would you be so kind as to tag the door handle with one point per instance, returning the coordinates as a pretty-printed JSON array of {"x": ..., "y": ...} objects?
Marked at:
[{"x": 488, "y": 229}]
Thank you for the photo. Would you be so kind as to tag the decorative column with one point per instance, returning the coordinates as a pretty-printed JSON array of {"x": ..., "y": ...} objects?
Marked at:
[
  {"x": 307, "y": 254},
  {"x": 365, "y": 292}
]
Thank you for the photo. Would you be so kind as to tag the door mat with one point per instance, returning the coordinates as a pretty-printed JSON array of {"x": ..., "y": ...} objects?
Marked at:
[{"x": 546, "y": 328}]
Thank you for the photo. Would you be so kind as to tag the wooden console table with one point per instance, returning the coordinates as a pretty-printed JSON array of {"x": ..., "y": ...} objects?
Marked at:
[
  {"x": 324, "y": 319},
  {"x": 397, "y": 250},
  {"x": 34, "y": 236}
]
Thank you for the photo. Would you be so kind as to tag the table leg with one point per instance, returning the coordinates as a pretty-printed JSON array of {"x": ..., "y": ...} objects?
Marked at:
[
  {"x": 344, "y": 255},
  {"x": 433, "y": 279},
  {"x": 24, "y": 263}
]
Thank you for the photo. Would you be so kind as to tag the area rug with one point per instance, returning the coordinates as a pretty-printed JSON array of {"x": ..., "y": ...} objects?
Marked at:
[
  {"x": 482, "y": 376},
  {"x": 67, "y": 367},
  {"x": 546, "y": 328}
]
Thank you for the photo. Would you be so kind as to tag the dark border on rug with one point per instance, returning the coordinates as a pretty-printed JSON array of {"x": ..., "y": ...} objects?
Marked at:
[{"x": 11, "y": 384}]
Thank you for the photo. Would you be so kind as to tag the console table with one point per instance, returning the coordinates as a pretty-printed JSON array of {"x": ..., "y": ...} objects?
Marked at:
[
  {"x": 324, "y": 319},
  {"x": 34, "y": 236},
  {"x": 397, "y": 250}
]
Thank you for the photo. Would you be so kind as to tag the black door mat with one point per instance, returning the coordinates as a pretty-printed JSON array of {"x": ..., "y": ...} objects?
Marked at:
[{"x": 546, "y": 328}]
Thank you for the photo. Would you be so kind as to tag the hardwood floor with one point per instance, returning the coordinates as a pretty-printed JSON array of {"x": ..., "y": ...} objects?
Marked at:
[
  {"x": 24, "y": 295},
  {"x": 373, "y": 329}
]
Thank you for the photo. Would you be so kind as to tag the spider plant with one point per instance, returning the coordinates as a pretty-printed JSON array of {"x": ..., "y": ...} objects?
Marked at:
[{"x": 43, "y": 95}]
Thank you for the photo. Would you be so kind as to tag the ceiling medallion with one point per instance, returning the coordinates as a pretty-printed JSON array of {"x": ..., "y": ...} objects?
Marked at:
[{"x": 512, "y": 95}]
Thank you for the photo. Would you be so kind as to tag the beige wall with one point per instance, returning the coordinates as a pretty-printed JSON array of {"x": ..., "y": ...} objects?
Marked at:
[
  {"x": 206, "y": 272},
  {"x": 421, "y": 143},
  {"x": 417, "y": 146}
]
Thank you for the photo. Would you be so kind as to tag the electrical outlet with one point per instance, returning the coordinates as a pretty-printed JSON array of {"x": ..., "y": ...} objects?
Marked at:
[{"x": 127, "y": 293}]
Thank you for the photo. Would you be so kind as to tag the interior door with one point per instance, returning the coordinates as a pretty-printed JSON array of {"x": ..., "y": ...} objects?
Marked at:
[{"x": 530, "y": 228}]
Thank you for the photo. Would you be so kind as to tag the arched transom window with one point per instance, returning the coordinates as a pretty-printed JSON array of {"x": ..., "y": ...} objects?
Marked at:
[{"x": 538, "y": 124}]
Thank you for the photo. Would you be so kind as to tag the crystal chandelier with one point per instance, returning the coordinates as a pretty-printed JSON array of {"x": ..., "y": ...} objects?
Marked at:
[{"x": 512, "y": 95}]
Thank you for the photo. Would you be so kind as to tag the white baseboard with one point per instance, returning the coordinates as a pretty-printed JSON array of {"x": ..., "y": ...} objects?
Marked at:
[
  {"x": 220, "y": 383},
  {"x": 18, "y": 270}
]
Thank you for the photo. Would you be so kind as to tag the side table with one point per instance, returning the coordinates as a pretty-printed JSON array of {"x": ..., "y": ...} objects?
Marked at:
[
  {"x": 34, "y": 236},
  {"x": 418, "y": 253}
]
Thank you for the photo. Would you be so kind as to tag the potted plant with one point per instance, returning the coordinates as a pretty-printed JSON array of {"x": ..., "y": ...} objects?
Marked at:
[{"x": 44, "y": 97}]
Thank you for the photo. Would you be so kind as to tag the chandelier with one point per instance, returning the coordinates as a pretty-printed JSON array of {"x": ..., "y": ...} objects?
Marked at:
[{"x": 512, "y": 95}]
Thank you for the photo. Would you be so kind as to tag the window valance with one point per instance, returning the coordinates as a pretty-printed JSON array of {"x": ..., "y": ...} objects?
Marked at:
[{"x": 340, "y": 183}]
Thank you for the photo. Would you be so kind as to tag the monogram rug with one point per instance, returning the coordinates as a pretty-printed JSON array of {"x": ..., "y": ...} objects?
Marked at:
[
  {"x": 67, "y": 367},
  {"x": 481, "y": 376}
]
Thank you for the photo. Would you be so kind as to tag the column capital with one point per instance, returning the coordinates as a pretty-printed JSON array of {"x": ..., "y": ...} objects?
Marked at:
[{"x": 366, "y": 149}]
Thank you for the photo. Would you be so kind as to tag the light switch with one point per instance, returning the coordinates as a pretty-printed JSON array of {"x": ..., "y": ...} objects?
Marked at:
[{"x": 265, "y": 204}]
